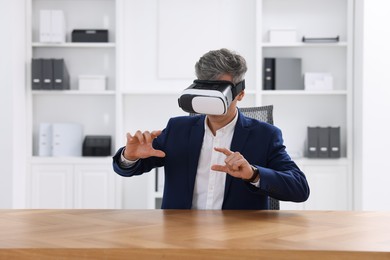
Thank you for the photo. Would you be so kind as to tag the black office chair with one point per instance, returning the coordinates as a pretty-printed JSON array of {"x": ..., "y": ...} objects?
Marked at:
[{"x": 264, "y": 114}]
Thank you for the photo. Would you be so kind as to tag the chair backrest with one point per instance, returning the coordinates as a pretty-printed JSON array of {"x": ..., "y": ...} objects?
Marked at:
[{"x": 264, "y": 114}]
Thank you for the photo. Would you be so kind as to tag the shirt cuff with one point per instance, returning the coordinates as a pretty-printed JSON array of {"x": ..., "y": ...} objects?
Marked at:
[
  {"x": 124, "y": 162},
  {"x": 256, "y": 184}
]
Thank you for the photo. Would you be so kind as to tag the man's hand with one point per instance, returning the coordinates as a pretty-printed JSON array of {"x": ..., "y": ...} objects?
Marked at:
[
  {"x": 235, "y": 164},
  {"x": 140, "y": 146}
]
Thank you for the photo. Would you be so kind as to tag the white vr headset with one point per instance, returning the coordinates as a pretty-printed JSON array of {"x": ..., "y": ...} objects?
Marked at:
[{"x": 209, "y": 97}]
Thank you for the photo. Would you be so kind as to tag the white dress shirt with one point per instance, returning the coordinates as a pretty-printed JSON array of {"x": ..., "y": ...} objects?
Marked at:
[{"x": 210, "y": 185}]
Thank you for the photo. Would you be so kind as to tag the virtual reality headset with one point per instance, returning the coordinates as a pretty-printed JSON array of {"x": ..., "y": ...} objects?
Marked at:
[{"x": 210, "y": 97}]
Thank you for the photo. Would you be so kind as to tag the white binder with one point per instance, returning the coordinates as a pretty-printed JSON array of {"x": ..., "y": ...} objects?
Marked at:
[
  {"x": 45, "y": 139},
  {"x": 57, "y": 26},
  {"x": 45, "y": 26},
  {"x": 67, "y": 139},
  {"x": 52, "y": 26}
]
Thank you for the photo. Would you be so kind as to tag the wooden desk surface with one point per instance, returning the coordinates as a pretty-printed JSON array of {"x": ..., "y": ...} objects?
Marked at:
[{"x": 187, "y": 234}]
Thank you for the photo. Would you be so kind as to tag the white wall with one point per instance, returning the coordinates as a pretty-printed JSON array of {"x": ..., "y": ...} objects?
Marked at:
[
  {"x": 5, "y": 116},
  {"x": 375, "y": 155},
  {"x": 12, "y": 103}
]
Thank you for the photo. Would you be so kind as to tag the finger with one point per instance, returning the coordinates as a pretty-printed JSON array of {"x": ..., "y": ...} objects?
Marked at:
[
  {"x": 156, "y": 133},
  {"x": 139, "y": 136},
  {"x": 131, "y": 139},
  {"x": 233, "y": 157},
  {"x": 225, "y": 151},
  {"x": 147, "y": 137},
  {"x": 158, "y": 153},
  {"x": 219, "y": 168}
]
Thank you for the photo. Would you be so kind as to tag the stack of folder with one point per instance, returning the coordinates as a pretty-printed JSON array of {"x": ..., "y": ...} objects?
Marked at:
[
  {"x": 49, "y": 74},
  {"x": 52, "y": 26},
  {"x": 323, "y": 142}
]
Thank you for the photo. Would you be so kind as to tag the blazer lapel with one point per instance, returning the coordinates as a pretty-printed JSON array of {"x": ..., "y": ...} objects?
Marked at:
[
  {"x": 240, "y": 136},
  {"x": 195, "y": 144}
]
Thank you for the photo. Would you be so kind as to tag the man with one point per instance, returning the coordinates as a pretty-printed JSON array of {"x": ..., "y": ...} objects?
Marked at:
[{"x": 224, "y": 161}]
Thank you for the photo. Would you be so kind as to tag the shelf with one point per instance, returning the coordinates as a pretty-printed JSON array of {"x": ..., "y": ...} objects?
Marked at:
[
  {"x": 71, "y": 160},
  {"x": 72, "y": 92},
  {"x": 301, "y": 44},
  {"x": 74, "y": 45},
  {"x": 302, "y": 92}
]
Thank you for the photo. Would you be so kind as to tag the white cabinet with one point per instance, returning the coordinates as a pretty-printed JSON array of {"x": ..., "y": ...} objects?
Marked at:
[
  {"x": 51, "y": 186},
  {"x": 330, "y": 188},
  {"x": 94, "y": 186},
  {"x": 330, "y": 184},
  {"x": 72, "y": 184}
]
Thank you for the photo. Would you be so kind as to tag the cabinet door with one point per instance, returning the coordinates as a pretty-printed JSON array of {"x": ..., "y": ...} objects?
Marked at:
[
  {"x": 95, "y": 187},
  {"x": 286, "y": 205},
  {"x": 329, "y": 187},
  {"x": 52, "y": 186}
]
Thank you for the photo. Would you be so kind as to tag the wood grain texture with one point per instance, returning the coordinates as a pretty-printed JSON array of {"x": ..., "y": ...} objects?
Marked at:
[{"x": 190, "y": 234}]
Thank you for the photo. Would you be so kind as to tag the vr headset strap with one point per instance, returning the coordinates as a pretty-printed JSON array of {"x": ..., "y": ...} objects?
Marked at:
[{"x": 236, "y": 89}]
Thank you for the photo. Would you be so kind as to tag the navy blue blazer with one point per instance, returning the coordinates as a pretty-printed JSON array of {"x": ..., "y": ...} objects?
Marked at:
[{"x": 260, "y": 143}]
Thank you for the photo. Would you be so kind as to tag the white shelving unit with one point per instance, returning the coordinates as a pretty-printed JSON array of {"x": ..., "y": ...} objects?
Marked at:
[
  {"x": 74, "y": 182},
  {"x": 294, "y": 111},
  {"x": 150, "y": 59}
]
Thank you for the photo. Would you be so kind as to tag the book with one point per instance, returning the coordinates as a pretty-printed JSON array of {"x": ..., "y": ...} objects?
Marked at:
[
  {"x": 334, "y": 142},
  {"x": 36, "y": 74},
  {"x": 288, "y": 74},
  {"x": 312, "y": 142},
  {"x": 269, "y": 74}
]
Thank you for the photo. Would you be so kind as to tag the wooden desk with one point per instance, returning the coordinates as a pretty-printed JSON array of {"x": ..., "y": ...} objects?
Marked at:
[{"x": 186, "y": 234}]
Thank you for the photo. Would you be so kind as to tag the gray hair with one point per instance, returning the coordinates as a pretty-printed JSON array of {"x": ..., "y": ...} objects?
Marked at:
[{"x": 215, "y": 63}]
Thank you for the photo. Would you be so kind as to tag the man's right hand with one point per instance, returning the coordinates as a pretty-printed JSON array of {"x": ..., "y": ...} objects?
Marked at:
[{"x": 140, "y": 146}]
